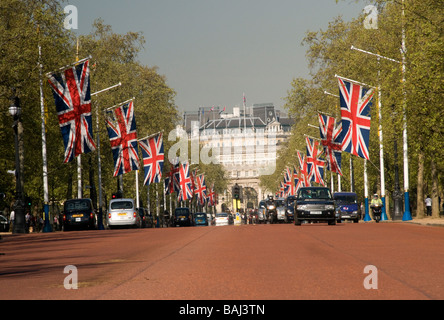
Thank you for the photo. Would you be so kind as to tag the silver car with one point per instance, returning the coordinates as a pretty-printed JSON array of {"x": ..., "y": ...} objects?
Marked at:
[
  {"x": 122, "y": 212},
  {"x": 280, "y": 208},
  {"x": 262, "y": 212}
]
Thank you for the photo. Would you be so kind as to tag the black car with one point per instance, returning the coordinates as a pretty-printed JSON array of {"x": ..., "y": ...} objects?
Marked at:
[
  {"x": 78, "y": 214},
  {"x": 289, "y": 209},
  {"x": 314, "y": 204},
  {"x": 183, "y": 217}
]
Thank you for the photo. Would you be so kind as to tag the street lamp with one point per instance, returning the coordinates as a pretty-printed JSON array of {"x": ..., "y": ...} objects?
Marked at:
[{"x": 19, "y": 205}]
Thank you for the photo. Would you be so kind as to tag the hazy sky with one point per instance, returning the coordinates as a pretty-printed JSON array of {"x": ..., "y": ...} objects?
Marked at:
[{"x": 213, "y": 51}]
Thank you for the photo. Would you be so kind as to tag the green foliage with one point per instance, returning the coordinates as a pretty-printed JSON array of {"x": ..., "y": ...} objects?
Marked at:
[
  {"x": 329, "y": 53},
  {"x": 26, "y": 24}
]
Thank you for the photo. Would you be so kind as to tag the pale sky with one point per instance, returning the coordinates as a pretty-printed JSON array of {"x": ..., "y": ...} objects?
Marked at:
[{"x": 213, "y": 51}]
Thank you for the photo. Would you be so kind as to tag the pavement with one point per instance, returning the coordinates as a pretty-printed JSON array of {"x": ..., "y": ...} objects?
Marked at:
[{"x": 439, "y": 222}]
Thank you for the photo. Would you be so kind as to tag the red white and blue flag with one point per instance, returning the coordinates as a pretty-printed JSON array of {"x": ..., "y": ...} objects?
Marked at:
[
  {"x": 331, "y": 135},
  {"x": 172, "y": 181},
  {"x": 298, "y": 181},
  {"x": 153, "y": 158},
  {"x": 185, "y": 182},
  {"x": 201, "y": 189},
  {"x": 315, "y": 163},
  {"x": 356, "y": 102},
  {"x": 211, "y": 196},
  {"x": 303, "y": 171},
  {"x": 72, "y": 97},
  {"x": 121, "y": 125},
  {"x": 287, "y": 182}
]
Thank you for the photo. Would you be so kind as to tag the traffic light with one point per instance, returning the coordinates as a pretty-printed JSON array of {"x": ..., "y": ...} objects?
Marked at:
[
  {"x": 117, "y": 195},
  {"x": 236, "y": 191},
  {"x": 28, "y": 201}
]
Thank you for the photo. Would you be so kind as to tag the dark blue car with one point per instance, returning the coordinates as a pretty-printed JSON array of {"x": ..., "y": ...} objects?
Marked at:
[{"x": 347, "y": 207}]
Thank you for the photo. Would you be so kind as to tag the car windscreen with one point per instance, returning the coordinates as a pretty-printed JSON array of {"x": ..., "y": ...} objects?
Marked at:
[
  {"x": 221, "y": 215},
  {"x": 77, "y": 205},
  {"x": 121, "y": 205},
  {"x": 315, "y": 193},
  {"x": 346, "y": 199},
  {"x": 279, "y": 203},
  {"x": 182, "y": 212},
  {"x": 200, "y": 215}
]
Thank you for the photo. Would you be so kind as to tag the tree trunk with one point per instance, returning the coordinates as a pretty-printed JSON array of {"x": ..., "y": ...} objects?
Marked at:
[
  {"x": 420, "y": 187},
  {"x": 435, "y": 193}
]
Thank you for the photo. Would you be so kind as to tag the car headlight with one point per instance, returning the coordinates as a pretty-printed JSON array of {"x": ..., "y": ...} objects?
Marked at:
[{"x": 329, "y": 207}]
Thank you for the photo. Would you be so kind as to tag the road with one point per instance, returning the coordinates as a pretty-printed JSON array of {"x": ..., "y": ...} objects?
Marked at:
[{"x": 247, "y": 262}]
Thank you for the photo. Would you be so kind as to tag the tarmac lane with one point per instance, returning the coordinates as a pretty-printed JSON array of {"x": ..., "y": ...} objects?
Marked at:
[{"x": 247, "y": 262}]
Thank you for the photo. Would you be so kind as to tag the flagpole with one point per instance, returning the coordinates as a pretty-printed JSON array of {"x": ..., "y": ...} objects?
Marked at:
[
  {"x": 99, "y": 161},
  {"x": 47, "y": 225},
  {"x": 366, "y": 217},
  {"x": 137, "y": 188},
  {"x": 354, "y": 81},
  {"x": 79, "y": 158},
  {"x": 48, "y": 74},
  {"x": 150, "y": 136},
  {"x": 120, "y": 104},
  {"x": 407, "y": 214}
]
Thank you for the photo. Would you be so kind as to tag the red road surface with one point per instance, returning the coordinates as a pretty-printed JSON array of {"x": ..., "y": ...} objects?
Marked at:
[{"x": 248, "y": 262}]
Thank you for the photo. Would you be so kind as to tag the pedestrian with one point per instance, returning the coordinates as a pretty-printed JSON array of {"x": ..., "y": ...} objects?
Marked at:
[
  {"x": 56, "y": 223},
  {"x": 12, "y": 220},
  {"x": 428, "y": 203},
  {"x": 362, "y": 213},
  {"x": 27, "y": 221}
]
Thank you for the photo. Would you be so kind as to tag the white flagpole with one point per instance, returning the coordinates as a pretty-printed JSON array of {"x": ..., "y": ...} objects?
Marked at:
[
  {"x": 407, "y": 214},
  {"x": 99, "y": 161},
  {"x": 47, "y": 226},
  {"x": 137, "y": 189}
]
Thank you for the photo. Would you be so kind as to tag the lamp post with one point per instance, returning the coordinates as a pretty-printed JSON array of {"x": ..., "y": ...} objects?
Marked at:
[{"x": 19, "y": 205}]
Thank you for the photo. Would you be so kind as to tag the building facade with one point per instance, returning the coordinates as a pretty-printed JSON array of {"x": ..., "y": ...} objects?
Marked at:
[{"x": 245, "y": 143}]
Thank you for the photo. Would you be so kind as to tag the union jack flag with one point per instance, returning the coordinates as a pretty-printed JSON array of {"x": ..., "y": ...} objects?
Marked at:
[
  {"x": 185, "y": 182},
  {"x": 193, "y": 175},
  {"x": 316, "y": 164},
  {"x": 281, "y": 190},
  {"x": 331, "y": 135},
  {"x": 73, "y": 104},
  {"x": 167, "y": 187},
  {"x": 201, "y": 189},
  {"x": 303, "y": 170},
  {"x": 356, "y": 102},
  {"x": 172, "y": 181},
  {"x": 121, "y": 125},
  {"x": 211, "y": 198},
  {"x": 153, "y": 158},
  {"x": 297, "y": 180},
  {"x": 287, "y": 182}
]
